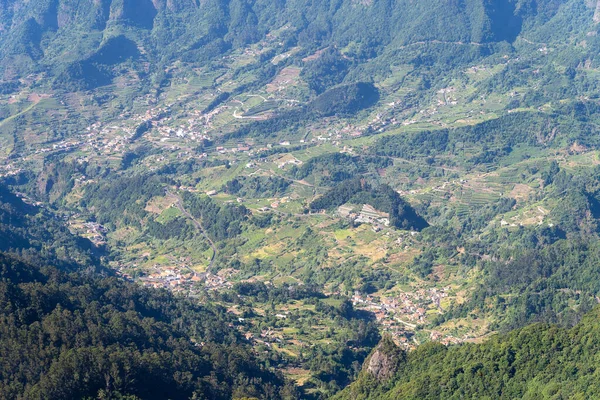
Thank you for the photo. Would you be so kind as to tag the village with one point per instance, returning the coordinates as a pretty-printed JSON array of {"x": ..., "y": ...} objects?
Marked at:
[
  {"x": 180, "y": 278},
  {"x": 403, "y": 313},
  {"x": 178, "y": 130},
  {"x": 367, "y": 215}
]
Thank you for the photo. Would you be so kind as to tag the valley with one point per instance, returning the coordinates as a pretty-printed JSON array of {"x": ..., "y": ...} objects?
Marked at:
[{"x": 323, "y": 182}]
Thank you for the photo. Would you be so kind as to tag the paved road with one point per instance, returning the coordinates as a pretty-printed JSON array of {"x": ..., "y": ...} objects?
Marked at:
[
  {"x": 406, "y": 323},
  {"x": 198, "y": 225}
]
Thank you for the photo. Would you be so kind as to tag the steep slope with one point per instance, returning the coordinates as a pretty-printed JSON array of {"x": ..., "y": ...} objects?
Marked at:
[
  {"x": 71, "y": 330},
  {"x": 50, "y": 35},
  {"x": 384, "y": 198},
  {"x": 98, "y": 336},
  {"x": 31, "y": 231},
  {"x": 537, "y": 362}
]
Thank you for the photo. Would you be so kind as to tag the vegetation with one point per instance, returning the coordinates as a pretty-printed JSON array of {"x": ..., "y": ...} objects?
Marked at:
[
  {"x": 488, "y": 142},
  {"x": 299, "y": 179},
  {"x": 329, "y": 169},
  {"x": 345, "y": 100},
  {"x": 384, "y": 198},
  {"x": 103, "y": 337},
  {"x": 257, "y": 186},
  {"x": 28, "y": 231},
  {"x": 222, "y": 221},
  {"x": 539, "y": 361},
  {"x": 111, "y": 202},
  {"x": 326, "y": 71}
]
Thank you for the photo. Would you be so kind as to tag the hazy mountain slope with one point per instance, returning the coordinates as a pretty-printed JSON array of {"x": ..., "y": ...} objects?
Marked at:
[
  {"x": 47, "y": 35},
  {"x": 34, "y": 232},
  {"x": 432, "y": 163}
]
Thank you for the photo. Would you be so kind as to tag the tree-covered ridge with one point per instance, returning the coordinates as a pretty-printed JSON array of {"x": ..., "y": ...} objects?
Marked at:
[
  {"x": 489, "y": 141},
  {"x": 221, "y": 221},
  {"x": 257, "y": 186},
  {"x": 330, "y": 169},
  {"x": 383, "y": 198},
  {"x": 536, "y": 362},
  {"x": 31, "y": 231},
  {"x": 111, "y": 201},
  {"x": 345, "y": 100},
  {"x": 77, "y": 335}
]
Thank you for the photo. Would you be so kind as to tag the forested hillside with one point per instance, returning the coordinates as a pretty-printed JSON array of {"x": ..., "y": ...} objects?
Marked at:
[
  {"x": 80, "y": 43},
  {"x": 98, "y": 336},
  {"x": 383, "y": 198},
  {"x": 240, "y": 198},
  {"x": 30, "y": 231},
  {"x": 76, "y": 331},
  {"x": 537, "y": 362}
]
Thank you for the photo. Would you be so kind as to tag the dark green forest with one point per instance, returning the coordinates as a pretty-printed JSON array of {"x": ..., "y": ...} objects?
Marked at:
[
  {"x": 81, "y": 335},
  {"x": 71, "y": 329},
  {"x": 383, "y": 198},
  {"x": 536, "y": 362}
]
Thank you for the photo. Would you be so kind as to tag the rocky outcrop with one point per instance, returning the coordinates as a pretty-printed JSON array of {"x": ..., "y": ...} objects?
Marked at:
[{"x": 385, "y": 359}]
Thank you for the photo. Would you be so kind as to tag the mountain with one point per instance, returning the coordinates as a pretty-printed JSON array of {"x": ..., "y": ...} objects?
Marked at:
[
  {"x": 251, "y": 194},
  {"x": 31, "y": 231},
  {"x": 76, "y": 331},
  {"x": 81, "y": 43},
  {"x": 99, "y": 336},
  {"x": 536, "y": 362}
]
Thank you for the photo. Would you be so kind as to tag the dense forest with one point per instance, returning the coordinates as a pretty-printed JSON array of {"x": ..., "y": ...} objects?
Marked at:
[
  {"x": 110, "y": 202},
  {"x": 537, "y": 362},
  {"x": 330, "y": 169},
  {"x": 256, "y": 186},
  {"x": 100, "y": 336},
  {"x": 97, "y": 335},
  {"x": 222, "y": 221},
  {"x": 28, "y": 231}
]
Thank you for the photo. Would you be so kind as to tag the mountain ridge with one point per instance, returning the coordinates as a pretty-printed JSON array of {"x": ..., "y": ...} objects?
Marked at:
[{"x": 51, "y": 32}]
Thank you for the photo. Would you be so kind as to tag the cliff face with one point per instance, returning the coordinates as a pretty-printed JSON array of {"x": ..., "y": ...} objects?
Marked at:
[
  {"x": 384, "y": 361},
  {"x": 381, "y": 366}
]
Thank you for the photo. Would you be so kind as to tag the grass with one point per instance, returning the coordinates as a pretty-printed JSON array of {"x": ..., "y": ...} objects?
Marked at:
[
  {"x": 6, "y": 144},
  {"x": 169, "y": 214},
  {"x": 205, "y": 80},
  {"x": 269, "y": 105},
  {"x": 343, "y": 234},
  {"x": 285, "y": 350}
]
